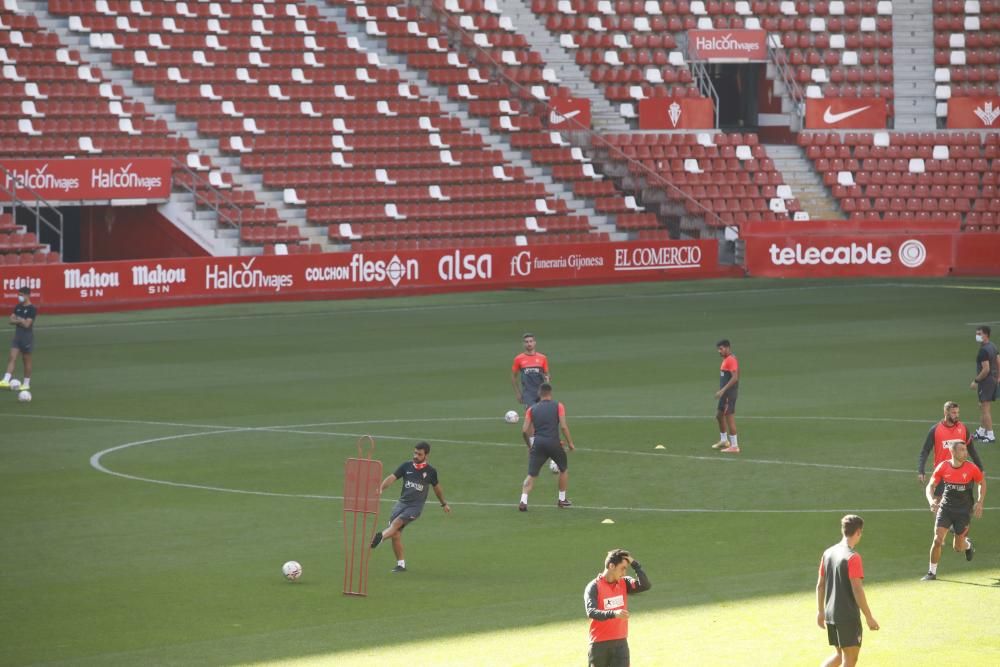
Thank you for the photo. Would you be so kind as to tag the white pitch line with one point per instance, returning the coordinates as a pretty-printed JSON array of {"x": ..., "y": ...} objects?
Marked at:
[
  {"x": 95, "y": 461},
  {"x": 295, "y": 429},
  {"x": 454, "y": 306}
]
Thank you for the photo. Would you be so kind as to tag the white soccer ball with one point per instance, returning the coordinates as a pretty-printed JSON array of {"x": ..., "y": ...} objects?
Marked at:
[
  {"x": 553, "y": 467},
  {"x": 24, "y": 396},
  {"x": 511, "y": 417},
  {"x": 15, "y": 385},
  {"x": 292, "y": 570}
]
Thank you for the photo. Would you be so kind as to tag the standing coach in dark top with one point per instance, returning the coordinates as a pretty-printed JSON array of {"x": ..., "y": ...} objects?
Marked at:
[{"x": 23, "y": 319}]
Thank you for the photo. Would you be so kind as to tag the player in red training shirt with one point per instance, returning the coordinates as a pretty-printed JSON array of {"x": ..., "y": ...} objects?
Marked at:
[
  {"x": 840, "y": 595},
  {"x": 729, "y": 387},
  {"x": 940, "y": 439},
  {"x": 606, "y": 601},
  {"x": 954, "y": 507}
]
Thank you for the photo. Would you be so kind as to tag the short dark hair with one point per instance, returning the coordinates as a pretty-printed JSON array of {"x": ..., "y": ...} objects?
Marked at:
[
  {"x": 616, "y": 556},
  {"x": 851, "y": 524},
  {"x": 545, "y": 388},
  {"x": 985, "y": 329},
  {"x": 527, "y": 334},
  {"x": 424, "y": 447},
  {"x": 27, "y": 290},
  {"x": 723, "y": 343}
]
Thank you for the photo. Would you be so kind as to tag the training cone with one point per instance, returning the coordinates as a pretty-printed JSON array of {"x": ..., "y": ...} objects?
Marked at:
[
  {"x": 659, "y": 447},
  {"x": 608, "y": 521}
]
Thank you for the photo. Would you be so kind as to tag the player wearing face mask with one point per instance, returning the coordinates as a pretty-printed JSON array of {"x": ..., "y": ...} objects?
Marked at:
[
  {"x": 23, "y": 319},
  {"x": 985, "y": 383}
]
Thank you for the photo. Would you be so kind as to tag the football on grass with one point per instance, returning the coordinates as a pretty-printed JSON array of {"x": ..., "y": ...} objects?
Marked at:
[
  {"x": 15, "y": 385},
  {"x": 511, "y": 417},
  {"x": 24, "y": 396},
  {"x": 292, "y": 570}
]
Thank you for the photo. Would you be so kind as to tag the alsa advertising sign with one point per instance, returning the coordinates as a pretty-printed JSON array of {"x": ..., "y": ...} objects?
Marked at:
[
  {"x": 806, "y": 256},
  {"x": 980, "y": 113},
  {"x": 88, "y": 179},
  {"x": 845, "y": 113},
  {"x": 682, "y": 113},
  {"x": 728, "y": 45},
  {"x": 569, "y": 113},
  {"x": 189, "y": 281}
]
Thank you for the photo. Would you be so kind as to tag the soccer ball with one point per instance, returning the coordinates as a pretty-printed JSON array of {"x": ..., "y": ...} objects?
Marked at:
[
  {"x": 24, "y": 396},
  {"x": 292, "y": 570},
  {"x": 553, "y": 467},
  {"x": 511, "y": 417},
  {"x": 15, "y": 385}
]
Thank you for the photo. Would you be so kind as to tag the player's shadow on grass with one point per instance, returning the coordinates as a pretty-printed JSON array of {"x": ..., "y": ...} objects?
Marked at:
[{"x": 995, "y": 584}]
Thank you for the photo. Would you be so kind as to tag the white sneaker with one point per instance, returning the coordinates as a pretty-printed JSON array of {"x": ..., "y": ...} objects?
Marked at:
[{"x": 721, "y": 444}]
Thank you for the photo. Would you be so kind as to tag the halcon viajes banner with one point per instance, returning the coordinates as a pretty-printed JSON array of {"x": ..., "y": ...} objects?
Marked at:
[
  {"x": 727, "y": 45},
  {"x": 87, "y": 179},
  {"x": 190, "y": 281}
]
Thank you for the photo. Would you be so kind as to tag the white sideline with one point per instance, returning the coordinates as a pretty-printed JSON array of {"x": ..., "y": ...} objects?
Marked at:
[{"x": 454, "y": 306}]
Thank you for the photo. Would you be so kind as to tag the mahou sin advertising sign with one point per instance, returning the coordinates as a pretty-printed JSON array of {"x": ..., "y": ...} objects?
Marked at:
[
  {"x": 89, "y": 179},
  {"x": 728, "y": 45}
]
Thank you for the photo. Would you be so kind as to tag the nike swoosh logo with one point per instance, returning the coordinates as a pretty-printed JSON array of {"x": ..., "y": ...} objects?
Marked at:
[
  {"x": 555, "y": 117},
  {"x": 837, "y": 117}
]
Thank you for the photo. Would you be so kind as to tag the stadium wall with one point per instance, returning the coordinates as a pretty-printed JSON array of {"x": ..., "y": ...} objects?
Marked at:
[
  {"x": 131, "y": 232},
  {"x": 904, "y": 249},
  {"x": 165, "y": 282}
]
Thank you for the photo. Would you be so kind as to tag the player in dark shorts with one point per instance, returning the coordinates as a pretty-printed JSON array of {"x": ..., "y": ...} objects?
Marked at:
[
  {"x": 840, "y": 594},
  {"x": 986, "y": 383},
  {"x": 418, "y": 478},
  {"x": 606, "y": 601},
  {"x": 729, "y": 388},
  {"x": 939, "y": 440},
  {"x": 542, "y": 424},
  {"x": 23, "y": 318},
  {"x": 529, "y": 371},
  {"x": 955, "y": 508}
]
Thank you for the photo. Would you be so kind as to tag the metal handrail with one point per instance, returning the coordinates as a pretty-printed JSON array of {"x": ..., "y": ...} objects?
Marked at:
[
  {"x": 654, "y": 177},
  {"x": 215, "y": 199},
  {"x": 705, "y": 86},
  {"x": 38, "y": 203},
  {"x": 788, "y": 79}
]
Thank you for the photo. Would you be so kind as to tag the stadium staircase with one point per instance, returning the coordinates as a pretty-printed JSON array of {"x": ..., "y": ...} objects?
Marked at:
[
  {"x": 472, "y": 35},
  {"x": 806, "y": 184},
  {"x": 913, "y": 66},
  {"x": 419, "y": 80},
  {"x": 605, "y": 118},
  {"x": 201, "y": 224}
]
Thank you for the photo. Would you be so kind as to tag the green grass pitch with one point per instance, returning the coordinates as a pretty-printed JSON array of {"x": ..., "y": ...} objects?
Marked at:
[{"x": 172, "y": 460}]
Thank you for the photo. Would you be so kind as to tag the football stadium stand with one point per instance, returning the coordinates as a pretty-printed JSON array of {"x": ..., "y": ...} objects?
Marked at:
[{"x": 327, "y": 125}]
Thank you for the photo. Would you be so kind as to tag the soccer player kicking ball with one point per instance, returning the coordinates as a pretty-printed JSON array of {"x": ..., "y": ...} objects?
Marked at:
[
  {"x": 418, "y": 478},
  {"x": 840, "y": 595},
  {"x": 954, "y": 507}
]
